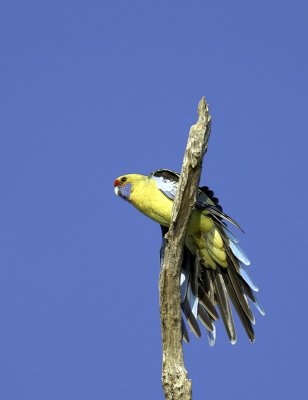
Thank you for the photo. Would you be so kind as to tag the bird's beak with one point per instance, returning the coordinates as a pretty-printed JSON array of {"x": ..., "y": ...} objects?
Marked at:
[{"x": 116, "y": 190}]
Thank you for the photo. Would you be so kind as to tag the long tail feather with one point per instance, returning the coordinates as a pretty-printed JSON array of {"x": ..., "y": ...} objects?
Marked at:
[
  {"x": 243, "y": 317},
  {"x": 224, "y": 305},
  {"x": 208, "y": 305},
  {"x": 252, "y": 297},
  {"x": 204, "y": 317},
  {"x": 240, "y": 295},
  {"x": 192, "y": 322},
  {"x": 192, "y": 300}
]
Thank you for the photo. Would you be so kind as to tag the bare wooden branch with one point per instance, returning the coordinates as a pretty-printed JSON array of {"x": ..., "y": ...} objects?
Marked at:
[{"x": 174, "y": 375}]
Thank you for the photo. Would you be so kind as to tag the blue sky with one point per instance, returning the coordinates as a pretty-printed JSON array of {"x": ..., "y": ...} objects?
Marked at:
[{"x": 93, "y": 90}]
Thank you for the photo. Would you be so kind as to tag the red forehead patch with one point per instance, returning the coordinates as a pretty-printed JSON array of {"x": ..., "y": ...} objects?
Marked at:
[{"x": 116, "y": 182}]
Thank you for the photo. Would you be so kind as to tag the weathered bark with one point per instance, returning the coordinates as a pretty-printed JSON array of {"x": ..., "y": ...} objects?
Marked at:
[{"x": 174, "y": 375}]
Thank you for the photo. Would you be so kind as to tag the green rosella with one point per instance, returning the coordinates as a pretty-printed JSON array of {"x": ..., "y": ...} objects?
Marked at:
[{"x": 214, "y": 266}]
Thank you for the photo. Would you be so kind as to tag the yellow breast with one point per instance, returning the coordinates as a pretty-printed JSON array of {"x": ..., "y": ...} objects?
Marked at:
[{"x": 149, "y": 200}]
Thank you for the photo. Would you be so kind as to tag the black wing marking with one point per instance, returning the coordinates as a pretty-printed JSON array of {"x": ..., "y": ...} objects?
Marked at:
[
  {"x": 209, "y": 193},
  {"x": 166, "y": 174},
  {"x": 167, "y": 181}
]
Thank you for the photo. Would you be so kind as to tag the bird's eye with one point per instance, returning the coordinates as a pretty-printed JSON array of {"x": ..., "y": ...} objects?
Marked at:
[{"x": 124, "y": 179}]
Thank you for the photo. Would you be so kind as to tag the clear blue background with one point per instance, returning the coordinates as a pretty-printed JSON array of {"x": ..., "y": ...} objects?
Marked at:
[{"x": 93, "y": 90}]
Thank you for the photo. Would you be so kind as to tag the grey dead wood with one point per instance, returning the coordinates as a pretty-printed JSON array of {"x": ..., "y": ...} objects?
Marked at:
[{"x": 175, "y": 382}]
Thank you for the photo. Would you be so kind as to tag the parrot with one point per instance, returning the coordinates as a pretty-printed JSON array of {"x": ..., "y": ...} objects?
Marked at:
[{"x": 214, "y": 267}]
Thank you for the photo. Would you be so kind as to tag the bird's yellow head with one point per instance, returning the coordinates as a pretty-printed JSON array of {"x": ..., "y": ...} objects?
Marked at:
[{"x": 124, "y": 185}]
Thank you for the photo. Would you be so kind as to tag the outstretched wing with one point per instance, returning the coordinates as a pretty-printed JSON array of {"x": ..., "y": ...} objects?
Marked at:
[{"x": 203, "y": 288}]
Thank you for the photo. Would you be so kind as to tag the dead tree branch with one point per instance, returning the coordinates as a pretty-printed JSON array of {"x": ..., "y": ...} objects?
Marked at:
[{"x": 174, "y": 375}]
